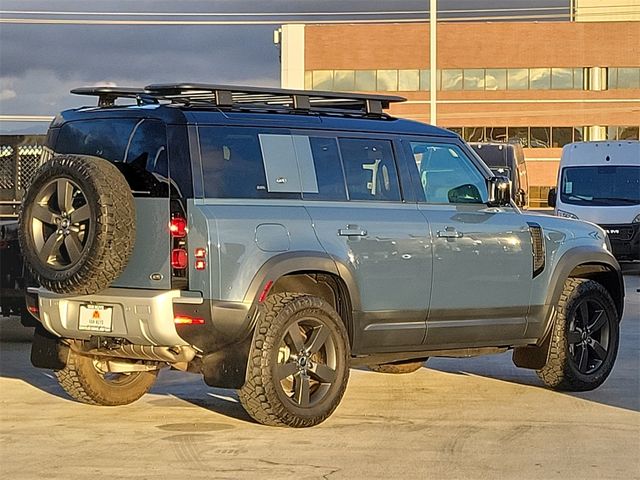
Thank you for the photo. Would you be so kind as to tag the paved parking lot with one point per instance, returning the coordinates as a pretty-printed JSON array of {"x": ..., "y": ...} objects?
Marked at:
[{"x": 475, "y": 418}]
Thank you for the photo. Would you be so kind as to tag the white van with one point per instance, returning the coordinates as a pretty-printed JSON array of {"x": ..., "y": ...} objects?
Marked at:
[{"x": 600, "y": 182}]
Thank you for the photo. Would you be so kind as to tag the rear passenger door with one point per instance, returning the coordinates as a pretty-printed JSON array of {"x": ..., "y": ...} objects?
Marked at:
[
  {"x": 377, "y": 239},
  {"x": 482, "y": 256}
]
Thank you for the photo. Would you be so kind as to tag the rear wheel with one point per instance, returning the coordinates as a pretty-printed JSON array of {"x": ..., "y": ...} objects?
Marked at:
[
  {"x": 84, "y": 381},
  {"x": 299, "y": 362},
  {"x": 397, "y": 367},
  {"x": 584, "y": 340}
]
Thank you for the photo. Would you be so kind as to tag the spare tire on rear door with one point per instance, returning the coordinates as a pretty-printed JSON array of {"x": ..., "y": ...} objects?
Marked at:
[{"x": 77, "y": 224}]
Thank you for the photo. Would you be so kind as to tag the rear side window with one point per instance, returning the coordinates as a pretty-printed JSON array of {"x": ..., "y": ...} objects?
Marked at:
[
  {"x": 370, "y": 169},
  {"x": 233, "y": 165},
  {"x": 326, "y": 159},
  {"x": 107, "y": 139}
]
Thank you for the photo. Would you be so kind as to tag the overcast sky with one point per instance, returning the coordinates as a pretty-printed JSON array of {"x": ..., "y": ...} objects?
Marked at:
[{"x": 39, "y": 64}]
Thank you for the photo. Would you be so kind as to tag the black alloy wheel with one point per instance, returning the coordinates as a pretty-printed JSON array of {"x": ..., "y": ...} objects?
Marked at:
[
  {"x": 307, "y": 361},
  {"x": 60, "y": 223},
  {"x": 588, "y": 335}
]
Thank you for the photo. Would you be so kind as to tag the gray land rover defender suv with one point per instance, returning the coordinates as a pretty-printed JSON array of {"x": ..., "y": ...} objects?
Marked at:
[{"x": 271, "y": 239}]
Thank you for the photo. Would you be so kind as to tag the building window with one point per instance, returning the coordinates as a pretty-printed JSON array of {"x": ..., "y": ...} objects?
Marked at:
[
  {"x": 540, "y": 78},
  {"x": 456, "y": 130},
  {"x": 452, "y": 79},
  {"x": 519, "y": 134},
  {"x": 495, "y": 79},
  {"x": 578, "y": 82},
  {"x": 562, "y": 78},
  {"x": 425, "y": 80},
  {"x": 561, "y": 136},
  {"x": 308, "y": 80},
  {"x": 473, "y": 134},
  {"x": 622, "y": 133},
  {"x": 366, "y": 80},
  {"x": 628, "y": 77},
  {"x": 518, "y": 79},
  {"x": 344, "y": 80},
  {"x": 323, "y": 79},
  {"x": 408, "y": 80},
  {"x": 387, "y": 80},
  {"x": 474, "y": 79},
  {"x": 496, "y": 134},
  {"x": 540, "y": 137}
]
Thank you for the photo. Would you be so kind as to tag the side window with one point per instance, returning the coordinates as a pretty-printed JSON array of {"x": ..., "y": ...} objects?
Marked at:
[
  {"x": 370, "y": 169},
  {"x": 326, "y": 159},
  {"x": 100, "y": 138},
  {"x": 447, "y": 175},
  {"x": 233, "y": 165},
  {"x": 147, "y": 147}
]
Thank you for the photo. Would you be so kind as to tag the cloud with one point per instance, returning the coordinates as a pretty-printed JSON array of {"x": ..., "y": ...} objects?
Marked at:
[{"x": 7, "y": 94}]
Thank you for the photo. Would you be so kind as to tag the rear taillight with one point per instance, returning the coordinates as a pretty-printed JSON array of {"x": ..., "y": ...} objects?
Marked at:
[
  {"x": 179, "y": 259},
  {"x": 178, "y": 230},
  {"x": 178, "y": 227}
]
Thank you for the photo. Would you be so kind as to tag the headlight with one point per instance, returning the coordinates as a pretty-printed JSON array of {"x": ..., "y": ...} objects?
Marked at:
[
  {"x": 637, "y": 219},
  {"x": 562, "y": 213}
]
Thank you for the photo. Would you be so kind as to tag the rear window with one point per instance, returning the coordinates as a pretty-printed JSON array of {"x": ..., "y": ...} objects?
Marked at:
[{"x": 106, "y": 139}]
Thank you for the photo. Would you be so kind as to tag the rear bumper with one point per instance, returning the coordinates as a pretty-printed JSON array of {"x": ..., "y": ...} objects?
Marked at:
[
  {"x": 625, "y": 241},
  {"x": 143, "y": 317}
]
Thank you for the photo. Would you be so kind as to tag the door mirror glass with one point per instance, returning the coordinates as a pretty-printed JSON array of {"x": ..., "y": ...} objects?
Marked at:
[
  {"x": 499, "y": 191},
  {"x": 551, "y": 199},
  {"x": 467, "y": 193}
]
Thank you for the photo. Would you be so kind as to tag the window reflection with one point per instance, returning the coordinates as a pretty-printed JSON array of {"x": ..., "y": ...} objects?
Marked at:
[
  {"x": 540, "y": 137},
  {"x": 366, "y": 80},
  {"x": 519, "y": 134},
  {"x": 561, "y": 78},
  {"x": 408, "y": 80},
  {"x": 540, "y": 78},
  {"x": 561, "y": 136},
  {"x": 387, "y": 80},
  {"x": 474, "y": 79},
  {"x": 496, "y": 79},
  {"x": 496, "y": 134},
  {"x": 323, "y": 79},
  {"x": 628, "y": 78},
  {"x": 452, "y": 79},
  {"x": 344, "y": 80},
  {"x": 518, "y": 79},
  {"x": 578, "y": 79},
  {"x": 425, "y": 80},
  {"x": 473, "y": 134}
]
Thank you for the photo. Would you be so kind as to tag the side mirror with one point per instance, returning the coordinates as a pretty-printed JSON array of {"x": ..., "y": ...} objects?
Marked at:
[
  {"x": 499, "y": 191},
  {"x": 551, "y": 198}
]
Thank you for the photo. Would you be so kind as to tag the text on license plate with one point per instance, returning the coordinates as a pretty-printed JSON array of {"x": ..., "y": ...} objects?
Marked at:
[{"x": 96, "y": 318}]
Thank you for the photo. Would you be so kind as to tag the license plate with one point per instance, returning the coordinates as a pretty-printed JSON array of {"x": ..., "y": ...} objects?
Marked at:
[{"x": 96, "y": 318}]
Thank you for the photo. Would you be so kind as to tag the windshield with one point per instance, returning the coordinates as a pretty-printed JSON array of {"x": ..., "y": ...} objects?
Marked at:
[{"x": 602, "y": 186}]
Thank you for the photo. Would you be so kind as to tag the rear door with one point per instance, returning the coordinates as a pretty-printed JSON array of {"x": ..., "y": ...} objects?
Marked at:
[
  {"x": 482, "y": 257},
  {"x": 138, "y": 147},
  {"x": 375, "y": 237}
]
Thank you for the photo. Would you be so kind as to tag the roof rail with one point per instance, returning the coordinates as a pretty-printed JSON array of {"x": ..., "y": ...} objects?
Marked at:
[{"x": 230, "y": 96}]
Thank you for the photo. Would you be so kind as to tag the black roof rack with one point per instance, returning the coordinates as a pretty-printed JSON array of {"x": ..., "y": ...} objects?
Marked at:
[{"x": 230, "y": 96}]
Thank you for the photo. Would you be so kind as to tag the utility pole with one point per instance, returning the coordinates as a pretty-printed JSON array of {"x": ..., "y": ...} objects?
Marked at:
[{"x": 433, "y": 13}]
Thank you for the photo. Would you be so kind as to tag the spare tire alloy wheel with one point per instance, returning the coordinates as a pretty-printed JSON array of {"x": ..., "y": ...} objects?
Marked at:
[
  {"x": 77, "y": 224},
  {"x": 61, "y": 223}
]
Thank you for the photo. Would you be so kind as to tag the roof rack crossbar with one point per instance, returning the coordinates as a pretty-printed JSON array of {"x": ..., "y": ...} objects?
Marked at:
[{"x": 227, "y": 96}]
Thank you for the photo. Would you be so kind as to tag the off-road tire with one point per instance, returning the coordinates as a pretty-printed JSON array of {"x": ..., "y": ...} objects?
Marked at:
[
  {"x": 397, "y": 368},
  {"x": 84, "y": 383},
  {"x": 561, "y": 372},
  {"x": 110, "y": 231},
  {"x": 261, "y": 395}
]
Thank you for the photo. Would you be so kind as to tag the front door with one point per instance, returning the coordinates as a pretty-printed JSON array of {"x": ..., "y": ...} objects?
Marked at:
[{"x": 482, "y": 256}]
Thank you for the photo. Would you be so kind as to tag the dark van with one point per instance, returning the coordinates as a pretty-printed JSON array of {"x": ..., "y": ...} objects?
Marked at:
[{"x": 507, "y": 159}]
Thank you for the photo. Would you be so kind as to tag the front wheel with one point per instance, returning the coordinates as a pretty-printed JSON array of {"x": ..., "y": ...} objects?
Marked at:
[
  {"x": 584, "y": 339},
  {"x": 83, "y": 380},
  {"x": 298, "y": 364}
]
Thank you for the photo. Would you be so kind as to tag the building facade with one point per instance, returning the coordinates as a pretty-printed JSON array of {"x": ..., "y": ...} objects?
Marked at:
[{"x": 544, "y": 84}]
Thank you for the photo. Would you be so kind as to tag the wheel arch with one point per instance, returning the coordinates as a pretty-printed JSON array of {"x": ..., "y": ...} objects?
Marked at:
[{"x": 315, "y": 273}]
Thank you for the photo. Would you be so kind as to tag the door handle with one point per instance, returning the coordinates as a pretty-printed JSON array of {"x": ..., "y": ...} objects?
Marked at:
[
  {"x": 352, "y": 231},
  {"x": 449, "y": 232}
]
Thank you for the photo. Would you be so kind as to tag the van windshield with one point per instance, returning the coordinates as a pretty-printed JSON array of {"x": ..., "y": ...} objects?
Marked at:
[{"x": 608, "y": 185}]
